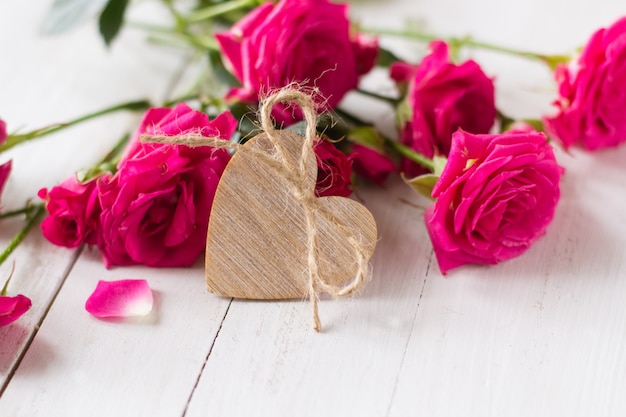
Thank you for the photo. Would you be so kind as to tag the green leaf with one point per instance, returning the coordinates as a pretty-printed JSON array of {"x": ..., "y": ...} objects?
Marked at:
[
  {"x": 300, "y": 127},
  {"x": 422, "y": 184},
  {"x": 210, "y": 12},
  {"x": 89, "y": 174},
  {"x": 404, "y": 113},
  {"x": 439, "y": 163},
  {"x": 220, "y": 71},
  {"x": 111, "y": 19},
  {"x": 67, "y": 14},
  {"x": 367, "y": 136},
  {"x": 385, "y": 58}
]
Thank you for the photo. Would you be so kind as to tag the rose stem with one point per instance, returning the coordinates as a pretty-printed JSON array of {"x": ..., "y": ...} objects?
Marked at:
[
  {"x": 13, "y": 140},
  {"x": 551, "y": 60},
  {"x": 395, "y": 145},
  {"x": 220, "y": 9},
  {"x": 33, "y": 214},
  {"x": 391, "y": 100}
]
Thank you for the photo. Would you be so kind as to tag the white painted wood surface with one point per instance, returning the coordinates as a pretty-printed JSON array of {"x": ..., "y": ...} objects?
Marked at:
[{"x": 542, "y": 335}]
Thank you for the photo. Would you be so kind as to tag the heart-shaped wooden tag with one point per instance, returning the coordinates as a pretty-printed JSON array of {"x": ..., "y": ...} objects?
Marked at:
[{"x": 257, "y": 242}]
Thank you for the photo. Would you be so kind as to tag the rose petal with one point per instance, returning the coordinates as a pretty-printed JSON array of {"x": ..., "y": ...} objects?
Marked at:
[
  {"x": 123, "y": 298},
  {"x": 12, "y": 308}
]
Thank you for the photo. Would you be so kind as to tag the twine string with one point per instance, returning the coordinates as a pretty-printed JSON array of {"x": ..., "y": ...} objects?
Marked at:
[{"x": 303, "y": 191}]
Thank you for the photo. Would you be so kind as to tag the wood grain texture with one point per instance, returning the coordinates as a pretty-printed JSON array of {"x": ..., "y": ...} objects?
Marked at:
[
  {"x": 79, "y": 365},
  {"x": 541, "y": 335},
  {"x": 257, "y": 243},
  {"x": 278, "y": 367},
  {"x": 50, "y": 80}
]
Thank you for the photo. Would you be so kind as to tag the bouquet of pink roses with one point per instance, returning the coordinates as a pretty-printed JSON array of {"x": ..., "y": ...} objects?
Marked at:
[{"x": 494, "y": 183}]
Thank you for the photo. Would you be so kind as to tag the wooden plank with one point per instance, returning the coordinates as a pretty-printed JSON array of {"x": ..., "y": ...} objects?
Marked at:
[
  {"x": 268, "y": 361},
  {"x": 50, "y": 80},
  {"x": 542, "y": 335},
  {"x": 79, "y": 365}
]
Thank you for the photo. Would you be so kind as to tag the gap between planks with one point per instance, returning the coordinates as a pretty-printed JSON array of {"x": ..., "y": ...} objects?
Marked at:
[
  {"x": 206, "y": 360},
  {"x": 408, "y": 340},
  {"x": 33, "y": 334}
]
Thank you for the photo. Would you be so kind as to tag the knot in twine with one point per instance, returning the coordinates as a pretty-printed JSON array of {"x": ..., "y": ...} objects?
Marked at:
[{"x": 303, "y": 191}]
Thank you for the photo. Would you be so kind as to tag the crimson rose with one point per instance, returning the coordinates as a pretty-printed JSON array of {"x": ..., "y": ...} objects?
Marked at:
[
  {"x": 333, "y": 170},
  {"x": 441, "y": 97},
  {"x": 74, "y": 211},
  {"x": 371, "y": 164}
]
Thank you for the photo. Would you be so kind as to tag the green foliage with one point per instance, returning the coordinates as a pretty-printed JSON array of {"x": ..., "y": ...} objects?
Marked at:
[
  {"x": 367, "y": 136},
  {"x": 111, "y": 19},
  {"x": 422, "y": 184},
  {"x": 385, "y": 58},
  {"x": 67, "y": 14},
  {"x": 220, "y": 71}
]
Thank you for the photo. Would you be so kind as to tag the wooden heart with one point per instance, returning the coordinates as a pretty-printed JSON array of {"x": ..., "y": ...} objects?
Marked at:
[{"x": 257, "y": 240}]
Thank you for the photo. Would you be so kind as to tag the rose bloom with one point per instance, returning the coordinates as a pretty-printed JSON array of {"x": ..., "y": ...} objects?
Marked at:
[
  {"x": 442, "y": 97},
  {"x": 591, "y": 101},
  {"x": 495, "y": 197},
  {"x": 74, "y": 212},
  {"x": 155, "y": 209},
  {"x": 303, "y": 41},
  {"x": 12, "y": 308},
  {"x": 5, "y": 169},
  {"x": 370, "y": 164},
  {"x": 333, "y": 171},
  {"x": 3, "y": 131}
]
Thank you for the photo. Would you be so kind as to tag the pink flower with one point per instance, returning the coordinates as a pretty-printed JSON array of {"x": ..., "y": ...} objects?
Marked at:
[
  {"x": 442, "y": 97},
  {"x": 155, "y": 209},
  {"x": 5, "y": 169},
  {"x": 371, "y": 164},
  {"x": 333, "y": 171},
  {"x": 74, "y": 211},
  {"x": 3, "y": 131},
  {"x": 124, "y": 298},
  {"x": 12, "y": 308},
  {"x": 495, "y": 197},
  {"x": 592, "y": 103},
  {"x": 303, "y": 41}
]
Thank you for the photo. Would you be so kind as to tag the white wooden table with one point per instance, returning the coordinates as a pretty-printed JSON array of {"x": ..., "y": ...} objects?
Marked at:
[{"x": 541, "y": 335}]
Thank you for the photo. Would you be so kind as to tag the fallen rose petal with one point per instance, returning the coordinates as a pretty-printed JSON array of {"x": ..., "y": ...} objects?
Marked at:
[
  {"x": 12, "y": 308},
  {"x": 123, "y": 298}
]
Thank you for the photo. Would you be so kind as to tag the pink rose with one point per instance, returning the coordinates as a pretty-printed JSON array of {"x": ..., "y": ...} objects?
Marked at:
[
  {"x": 74, "y": 211},
  {"x": 155, "y": 209},
  {"x": 442, "y": 97},
  {"x": 303, "y": 41},
  {"x": 5, "y": 169},
  {"x": 12, "y": 308},
  {"x": 495, "y": 197},
  {"x": 592, "y": 103},
  {"x": 371, "y": 164},
  {"x": 3, "y": 131},
  {"x": 333, "y": 171}
]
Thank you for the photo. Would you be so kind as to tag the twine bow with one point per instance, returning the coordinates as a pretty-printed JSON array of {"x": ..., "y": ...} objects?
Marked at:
[{"x": 303, "y": 191}]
